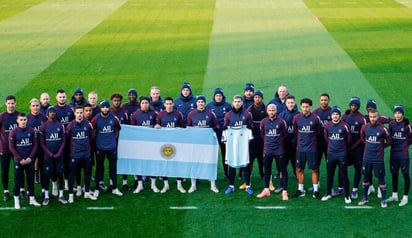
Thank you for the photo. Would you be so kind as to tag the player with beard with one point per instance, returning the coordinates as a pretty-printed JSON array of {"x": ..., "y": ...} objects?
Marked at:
[
  {"x": 274, "y": 132},
  {"x": 64, "y": 114},
  {"x": 106, "y": 130},
  {"x": 44, "y": 103},
  {"x": 132, "y": 105},
  {"x": 235, "y": 123},
  {"x": 355, "y": 121},
  {"x": 375, "y": 137}
]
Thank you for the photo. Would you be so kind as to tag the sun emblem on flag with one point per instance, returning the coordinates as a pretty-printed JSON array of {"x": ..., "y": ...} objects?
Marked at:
[{"x": 168, "y": 151}]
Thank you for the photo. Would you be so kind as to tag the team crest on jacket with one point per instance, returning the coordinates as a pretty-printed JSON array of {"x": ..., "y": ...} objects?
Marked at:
[{"x": 168, "y": 151}]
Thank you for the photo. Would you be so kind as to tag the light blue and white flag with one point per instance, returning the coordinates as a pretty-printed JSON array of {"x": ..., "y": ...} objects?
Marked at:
[{"x": 172, "y": 152}]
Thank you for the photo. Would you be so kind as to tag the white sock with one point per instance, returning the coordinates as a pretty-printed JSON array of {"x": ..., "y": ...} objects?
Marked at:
[
  {"x": 6, "y": 191},
  {"x": 79, "y": 188},
  {"x": 16, "y": 199},
  {"x": 54, "y": 184},
  {"x": 315, "y": 187},
  {"x": 166, "y": 182},
  {"x": 60, "y": 193},
  {"x": 193, "y": 182},
  {"x": 31, "y": 198},
  {"x": 124, "y": 182},
  {"x": 153, "y": 181},
  {"x": 405, "y": 197},
  {"x": 213, "y": 183},
  {"x": 300, "y": 187},
  {"x": 111, "y": 182},
  {"x": 179, "y": 183},
  {"x": 46, "y": 193},
  {"x": 395, "y": 195},
  {"x": 355, "y": 189},
  {"x": 140, "y": 183}
]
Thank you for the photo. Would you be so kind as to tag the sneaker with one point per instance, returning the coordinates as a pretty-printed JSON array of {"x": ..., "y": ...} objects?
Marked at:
[
  {"x": 243, "y": 186},
  {"x": 17, "y": 205},
  {"x": 285, "y": 196},
  {"x": 6, "y": 196},
  {"x": 138, "y": 189},
  {"x": 363, "y": 202},
  {"x": 264, "y": 193},
  {"x": 299, "y": 194},
  {"x": 117, "y": 192},
  {"x": 337, "y": 192},
  {"x": 79, "y": 192},
  {"x": 354, "y": 194},
  {"x": 391, "y": 199},
  {"x": 34, "y": 203},
  {"x": 55, "y": 191},
  {"x": 155, "y": 189},
  {"x": 384, "y": 204},
  {"x": 278, "y": 189},
  {"x": 403, "y": 202},
  {"x": 192, "y": 189},
  {"x": 45, "y": 201},
  {"x": 62, "y": 200},
  {"x": 271, "y": 187},
  {"x": 348, "y": 200},
  {"x": 181, "y": 189},
  {"x": 229, "y": 190},
  {"x": 125, "y": 187},
  {"x": 249, "y": 190},
  {"x": 103, "y": 187},
  {"x": 71, "y": 199},
  {"x": 165, "y": 189},
  {"x": 371, "y": 189},
  {"x": 87, "y": 195},
  {"x": 379, "y": 195},
  {"x": 96, "y": 193},
  {"x": 214, "y": 189},
  {"x": 326, "y": 197},
  {"x": 316, "y": 195}
]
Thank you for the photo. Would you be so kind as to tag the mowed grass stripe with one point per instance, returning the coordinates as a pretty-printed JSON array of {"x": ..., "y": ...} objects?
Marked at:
[
  {"x": 32, "y": 40},
  {"x": 280, "y": 42},
  {"x": 9, "y": 8},
  {"x": 379, "y": 41},
  {"x": 143, "y": 43}
]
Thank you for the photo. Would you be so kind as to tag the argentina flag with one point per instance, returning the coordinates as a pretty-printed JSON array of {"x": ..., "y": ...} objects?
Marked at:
[{"x": 172, "y": 152}]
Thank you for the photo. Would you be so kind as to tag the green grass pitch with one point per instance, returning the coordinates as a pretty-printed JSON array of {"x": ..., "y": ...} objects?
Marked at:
[{"x": 343, "y": 47}]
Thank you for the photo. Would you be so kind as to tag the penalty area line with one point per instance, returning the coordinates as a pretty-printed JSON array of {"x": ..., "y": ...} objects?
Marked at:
[
  {"x": 100, "y": 208},
  {"x": 183, "y": 208},
  {"x": 271, "y": 207}
]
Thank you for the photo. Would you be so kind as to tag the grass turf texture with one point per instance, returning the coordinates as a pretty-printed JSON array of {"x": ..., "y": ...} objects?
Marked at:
[{"x": 165, "y": 43}]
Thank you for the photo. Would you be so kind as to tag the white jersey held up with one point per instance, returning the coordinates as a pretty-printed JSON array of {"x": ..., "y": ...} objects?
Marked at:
[{"x": 237, "y": 146}]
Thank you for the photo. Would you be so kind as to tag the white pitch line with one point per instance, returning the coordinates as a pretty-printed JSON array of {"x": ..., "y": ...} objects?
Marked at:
[
  {"x": 271, "y": 207},
  {"x": 100, "y": 208},
  {"x": 358, "y": 207},
  {"x": 183, "y": 208},
  {"x": 11, "y": 208}
]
